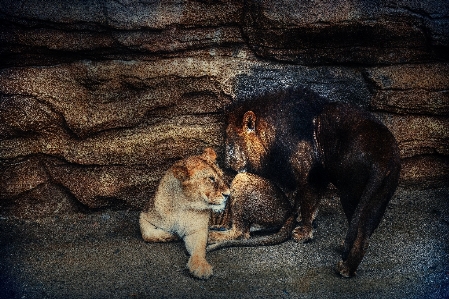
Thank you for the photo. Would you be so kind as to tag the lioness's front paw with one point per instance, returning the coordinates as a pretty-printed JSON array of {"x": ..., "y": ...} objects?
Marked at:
[
  {"x": 344, "y": 270},
  {"x": 302, "y": 234},
  {"x": 200, "y": 268}
]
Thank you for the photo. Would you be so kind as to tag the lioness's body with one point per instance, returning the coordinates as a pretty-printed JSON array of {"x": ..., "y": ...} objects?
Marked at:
[
  {"x": 303, "y": 142},
  {"x": 255, "y": 201},
  {"x": 186, "y": 194}
]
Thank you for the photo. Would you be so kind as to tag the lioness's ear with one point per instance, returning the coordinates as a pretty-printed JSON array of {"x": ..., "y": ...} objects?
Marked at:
[
  {"x": 180, "y": 171},
  {"x": 249, "y": 121},
  {"x": 209, "y": 155}
]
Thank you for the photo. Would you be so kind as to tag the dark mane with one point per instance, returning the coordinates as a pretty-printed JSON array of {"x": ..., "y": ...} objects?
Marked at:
[
  {"x": 291, "y": 112},
  {"x": 291, "y": 109}
]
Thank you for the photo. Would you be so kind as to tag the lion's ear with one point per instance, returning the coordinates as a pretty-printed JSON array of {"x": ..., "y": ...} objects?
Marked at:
[
  {"x": 249, "y": 121},
  {"x": 180, "y": 171},
  {"x": 209, "y": 155}
]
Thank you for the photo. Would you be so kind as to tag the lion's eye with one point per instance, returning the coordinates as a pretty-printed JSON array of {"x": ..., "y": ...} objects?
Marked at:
[{"x": 212, "y": 179}]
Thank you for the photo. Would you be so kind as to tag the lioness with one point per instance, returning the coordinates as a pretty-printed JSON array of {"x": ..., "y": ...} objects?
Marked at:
[
  {"x": 302, "y": 141},
  {"x": 186, "y": 194},
  {"x": 254, "y": 201}
]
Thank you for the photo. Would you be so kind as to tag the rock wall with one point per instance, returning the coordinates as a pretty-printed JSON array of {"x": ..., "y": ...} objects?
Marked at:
[{"x": 98, "y": 98}]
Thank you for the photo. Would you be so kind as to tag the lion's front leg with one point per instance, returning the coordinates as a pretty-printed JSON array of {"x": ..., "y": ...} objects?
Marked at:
[
  {"x": 309, "y": 203},
  {"x": 310, "y": 182},
  {"x": 196, "y": 246},
  {"x": 231, "y": 234},
  {"x": 151, "y": 233}
]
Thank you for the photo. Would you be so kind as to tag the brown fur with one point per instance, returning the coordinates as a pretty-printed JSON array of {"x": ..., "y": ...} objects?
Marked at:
[
  {"x": 186, "y": 194},
  {"x": 254, "y": 201},
  {"x": 303, "y": 142}
]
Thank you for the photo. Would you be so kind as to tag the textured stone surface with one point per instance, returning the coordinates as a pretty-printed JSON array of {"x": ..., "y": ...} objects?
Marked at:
[
  {"x": 415, "y": 89},
  {"x": 425, "y": 171},
  {"x": 106, "y": 131},
  {"x": 98, "y": 98},
  {"x": 419, "y": 135},
  {"x": 37, "y": 31},
  {"x": 347, "y": 31}
]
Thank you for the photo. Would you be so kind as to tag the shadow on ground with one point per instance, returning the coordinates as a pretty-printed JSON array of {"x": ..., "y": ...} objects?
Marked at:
[{"x": 101, "y": 255}]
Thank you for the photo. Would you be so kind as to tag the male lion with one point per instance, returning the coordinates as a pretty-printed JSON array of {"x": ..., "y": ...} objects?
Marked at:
[
  {"x": 302, "y": 142},
  {"x": 255, "y": 201},
  {"x": 186, "y": 194}
]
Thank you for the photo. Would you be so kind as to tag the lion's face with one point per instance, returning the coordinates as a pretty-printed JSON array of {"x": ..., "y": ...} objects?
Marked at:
[
  {"x": 202, "y": 182},
  {"x": 245, "y": 150}
]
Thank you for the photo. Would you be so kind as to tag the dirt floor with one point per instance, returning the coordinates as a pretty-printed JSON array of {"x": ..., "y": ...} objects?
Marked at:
[{"x": 101, "y": 255}]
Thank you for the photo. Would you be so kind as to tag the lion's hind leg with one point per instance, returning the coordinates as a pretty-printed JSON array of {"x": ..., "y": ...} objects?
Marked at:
[
  {"x": 365, "y": 218},
  {"x": 151, "y": 233}
]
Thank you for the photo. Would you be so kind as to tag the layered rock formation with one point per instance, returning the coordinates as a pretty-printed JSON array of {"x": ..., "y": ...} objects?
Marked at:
[{"x": 98, "y": 98}]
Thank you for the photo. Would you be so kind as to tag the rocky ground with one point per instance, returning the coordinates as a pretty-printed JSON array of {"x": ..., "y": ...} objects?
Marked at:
[{"x": 101, "y": 255}]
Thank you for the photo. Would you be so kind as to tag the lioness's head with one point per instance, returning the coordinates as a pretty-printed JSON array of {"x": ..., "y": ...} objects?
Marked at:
[
  {"x": 246, "y": 144},
  {"x": 202, "y": 181}
]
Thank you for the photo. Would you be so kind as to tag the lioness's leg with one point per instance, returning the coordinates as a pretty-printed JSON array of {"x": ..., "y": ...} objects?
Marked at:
[
  {"x": 151, "y": 233},
  {"x": 196, "y": 246}
]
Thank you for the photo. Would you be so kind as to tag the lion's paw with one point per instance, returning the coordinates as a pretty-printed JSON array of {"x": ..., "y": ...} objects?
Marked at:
[
  {"x": 344, "y": 270},
  {"x": 214, "y": 237},
  {"x": 200, "y": 268},
  {"x": 302, "y": 234},
  {"x": 220, "y": 236}
]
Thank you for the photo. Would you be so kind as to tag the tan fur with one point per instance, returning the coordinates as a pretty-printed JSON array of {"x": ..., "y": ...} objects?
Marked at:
[
  {"x": 186, "y": 194},
  {"x": 254, "y": 201}
]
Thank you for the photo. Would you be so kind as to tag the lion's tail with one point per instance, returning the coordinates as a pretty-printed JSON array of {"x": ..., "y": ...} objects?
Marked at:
[{"x": 282, "y": 235}]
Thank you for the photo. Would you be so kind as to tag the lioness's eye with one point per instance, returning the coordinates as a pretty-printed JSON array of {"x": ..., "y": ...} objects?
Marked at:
[{"x": 212, "y": 179}]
